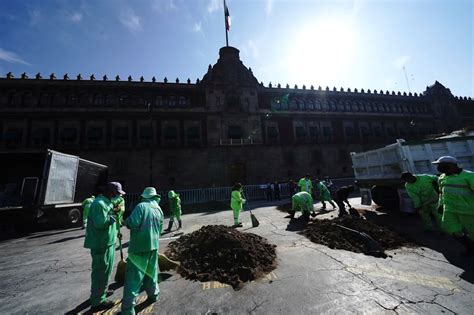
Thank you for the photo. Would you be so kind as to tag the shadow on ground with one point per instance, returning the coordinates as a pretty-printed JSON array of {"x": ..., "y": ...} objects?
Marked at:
[{"x": 410, "y": 226}]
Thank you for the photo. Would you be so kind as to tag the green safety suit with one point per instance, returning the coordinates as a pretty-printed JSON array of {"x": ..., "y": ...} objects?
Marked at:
[
  {"x": 86, "y": 205},
  {"x": 425, "y": 197},
  {"x": 120, "y": 203},
  {"x": 306, "y": 185},
  {"x": 324, "y": 195},
  {"x": 145, "y": 224},
  {"x": 236, "y": 203},
  {"x": 175, "y": 205},
  {"x": 457, "y": 199},
  {"x": 101, "y": 234},
  {"x": 302, "y": 201}
]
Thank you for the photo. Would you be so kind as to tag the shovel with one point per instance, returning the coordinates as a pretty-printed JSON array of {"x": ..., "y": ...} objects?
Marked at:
[
  {"x": 372, "y": 247},
  {"x": 121, "y": 266},
  {"x": 165, "y": 263}
]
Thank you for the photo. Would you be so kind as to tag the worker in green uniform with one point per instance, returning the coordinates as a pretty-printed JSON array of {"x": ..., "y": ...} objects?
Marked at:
[
  {"x": 305, "y": 184},
  {"x": 324, "y": 194},
  {"x": 101, "y": 235},
  {"x": 301, "y": 201},
  {"x": 457, "y": 201},
  {"x": 86, "y": 205},
  {"x": 145, "y": 224},
  {"x": 237, "y": 203},
  {"x": 423, "y": 191},
  {"x": 175, "y": 210}
]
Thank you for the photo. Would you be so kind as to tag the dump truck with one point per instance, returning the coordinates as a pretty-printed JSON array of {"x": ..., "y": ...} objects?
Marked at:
[
  {"x": 379, "y": 170},
  {"x": 40, "y": 185}
]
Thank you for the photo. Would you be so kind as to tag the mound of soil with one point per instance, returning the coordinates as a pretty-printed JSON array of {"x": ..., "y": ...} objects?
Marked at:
[
  {"x": 224, "y": 254},
  {"x": 327, "y": 232}
]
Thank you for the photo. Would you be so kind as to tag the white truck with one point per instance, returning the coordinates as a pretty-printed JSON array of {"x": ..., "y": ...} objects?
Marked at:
[
  {"x": 380, "y": 169},
  {"x": 36, "y": 185}
]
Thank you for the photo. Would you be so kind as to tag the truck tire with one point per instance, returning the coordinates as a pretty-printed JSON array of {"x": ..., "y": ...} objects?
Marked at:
[
  {"x": 73, "y": 216},
  {"x": 385, "y": 196}
]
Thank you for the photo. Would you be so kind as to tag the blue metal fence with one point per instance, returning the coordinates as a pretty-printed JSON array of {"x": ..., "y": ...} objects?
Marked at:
[{"x": 201, "y": 195}]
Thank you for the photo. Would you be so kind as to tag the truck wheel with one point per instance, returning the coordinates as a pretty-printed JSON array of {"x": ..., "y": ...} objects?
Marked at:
[
  {"x": 73, "y": 216},
  {"x": 385, "y": 196}
]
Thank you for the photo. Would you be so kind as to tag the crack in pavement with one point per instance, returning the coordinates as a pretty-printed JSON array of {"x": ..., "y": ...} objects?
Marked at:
[
  {"x": 400, "y": 299},
  {"x": 257, "y": 305}
]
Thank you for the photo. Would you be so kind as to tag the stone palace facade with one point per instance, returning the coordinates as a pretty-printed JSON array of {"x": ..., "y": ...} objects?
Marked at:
[{"x": 224, "y": 128}]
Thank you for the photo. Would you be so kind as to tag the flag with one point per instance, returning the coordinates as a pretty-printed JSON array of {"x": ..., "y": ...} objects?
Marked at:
[{"x": 227, "y": 17}]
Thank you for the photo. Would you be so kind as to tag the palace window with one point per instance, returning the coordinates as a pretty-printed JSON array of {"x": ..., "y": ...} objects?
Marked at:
[
  {"x": 172, "y": 101},
  {"x": 313, "y": 132},
  {"x": 145, "y": 134},
  {"x": 121, "y": 134},
  {"x": 99, "y": 100},
  {"x": 301, "y": 104},
  {"x": 68, "y": 135},
  {"x": 349, "y": 132},
  {"x": 158, "y": 101},
  {"x": 193, "y": 135},
  {"x": 275, "y": 104},
  {"x": 327, "y": 133},
  {"x": 95, "y": 135},
  {"x": 13, "y": 137},
  {"x": 41, "y": 136},
  {"x": 300, "y": 132},
  {"x": 235, "y": 132},
  {"x": 45, "y": 100},
  {"x": 272, "y": 133}
]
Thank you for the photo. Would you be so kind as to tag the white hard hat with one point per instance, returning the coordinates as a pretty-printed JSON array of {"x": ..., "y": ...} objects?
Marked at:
[{"x": 446, "y": 159}]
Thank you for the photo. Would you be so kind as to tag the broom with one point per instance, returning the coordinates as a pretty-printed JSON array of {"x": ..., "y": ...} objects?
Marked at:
[
  {"x": 253, "y": 218},
  {"x": 121, "y": 266}
]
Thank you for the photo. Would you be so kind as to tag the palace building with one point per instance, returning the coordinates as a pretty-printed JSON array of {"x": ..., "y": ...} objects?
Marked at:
[{"x": 224, "y": 128}]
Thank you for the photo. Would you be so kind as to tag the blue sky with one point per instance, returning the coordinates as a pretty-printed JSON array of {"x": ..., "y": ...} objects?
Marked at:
[{"x": 356, "y": 44}]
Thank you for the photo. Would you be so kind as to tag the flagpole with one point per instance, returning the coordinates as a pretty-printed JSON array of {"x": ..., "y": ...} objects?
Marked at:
[{"x": 225, "y": 26}]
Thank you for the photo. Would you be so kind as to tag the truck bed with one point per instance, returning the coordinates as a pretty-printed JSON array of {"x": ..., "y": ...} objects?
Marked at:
[{"x": 387, "y": 163}]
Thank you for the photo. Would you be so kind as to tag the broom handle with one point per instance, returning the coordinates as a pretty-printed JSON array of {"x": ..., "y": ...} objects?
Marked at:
[
  {"x": 245, "y": 197},
  {"x": 120, "y": 246}
]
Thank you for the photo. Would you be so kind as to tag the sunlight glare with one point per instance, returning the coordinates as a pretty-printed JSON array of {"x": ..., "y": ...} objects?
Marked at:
[{"x": 321, "y": 52}]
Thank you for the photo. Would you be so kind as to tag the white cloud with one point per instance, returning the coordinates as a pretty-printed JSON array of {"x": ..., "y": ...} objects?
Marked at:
[
  {"x": 197, "y": 27},
  {"x": 401, "y": 61},
  {"x": 11, "y": 57},
  {"x": 35, "y": 17},
  {"x": 75, "y": 17},
  {"x": 250, "y": 48},
  {"x": 130, "y": 20},
  {"x": 269, "y": 7},
  {"x": 213, "y": 5},
  {"x": 164, "y": 5}
]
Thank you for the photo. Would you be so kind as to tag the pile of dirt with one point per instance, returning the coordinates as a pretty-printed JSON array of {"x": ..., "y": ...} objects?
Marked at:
[
  {"x": 337, "y": 234},
  {"x": 224, "y": 254}
]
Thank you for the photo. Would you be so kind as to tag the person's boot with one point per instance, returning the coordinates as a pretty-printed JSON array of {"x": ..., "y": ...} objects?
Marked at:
[
  {"x": 305, "y": 216},
  {"x": 170, "y": 226},
  {"x": 292, "y": 214},
  {"x": 180, "y": 224}
]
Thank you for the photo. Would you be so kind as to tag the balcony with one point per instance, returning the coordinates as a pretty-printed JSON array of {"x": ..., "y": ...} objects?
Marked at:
[{"x": 239, "y": 142}]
